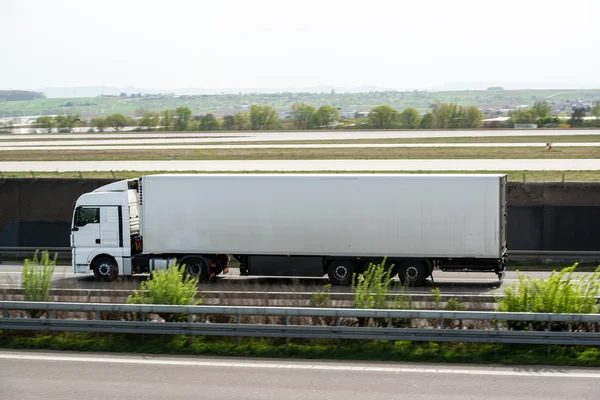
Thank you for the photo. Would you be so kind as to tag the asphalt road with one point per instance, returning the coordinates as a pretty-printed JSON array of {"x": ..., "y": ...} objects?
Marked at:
[
  {"x": 72, "y": 376},
  {"x": 25, "y": 146},
  {"x": 447, "y": 282},
  {"x": 306, "y": 165},
  {"x": 305, "y": 135}
]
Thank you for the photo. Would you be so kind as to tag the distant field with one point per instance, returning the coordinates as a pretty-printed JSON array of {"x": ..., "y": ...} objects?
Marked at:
[
  {"x": 529, "y": 176},
  {"x": 232, "y": 103},
  {"x": 304, "y": 154}
]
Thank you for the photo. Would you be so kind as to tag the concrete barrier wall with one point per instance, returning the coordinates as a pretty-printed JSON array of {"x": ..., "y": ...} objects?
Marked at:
[{"x": 541, "y": 216}]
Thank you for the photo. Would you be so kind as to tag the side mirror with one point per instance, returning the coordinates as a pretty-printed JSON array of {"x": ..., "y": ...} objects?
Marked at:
[{"x": 75, "y": 229}]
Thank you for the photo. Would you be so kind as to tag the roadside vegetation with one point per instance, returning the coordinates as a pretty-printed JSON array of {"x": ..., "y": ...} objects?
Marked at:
[
  {"x": 303, "y": 115},
  {"x": 36, "y": 280},
  {"x": 372, "y": 288}
]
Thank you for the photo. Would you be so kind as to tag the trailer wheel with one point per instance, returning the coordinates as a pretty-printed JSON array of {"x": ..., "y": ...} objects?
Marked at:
[
  {"x": 196, "y": 268},
  {"x": 105, "y": 269},
  {"x": 412, "y": 273},
  {"x": 340, "y": 272}
]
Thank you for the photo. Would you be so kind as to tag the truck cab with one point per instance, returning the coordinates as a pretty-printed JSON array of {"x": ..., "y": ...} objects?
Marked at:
[{"x": 105, "y": 230}]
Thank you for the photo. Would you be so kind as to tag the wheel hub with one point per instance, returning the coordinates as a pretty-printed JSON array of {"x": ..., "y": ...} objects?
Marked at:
[
  {"x": 104, "y": 269},
  {"x": 412, "y": 273},
  {"x": 341, "y": 272}
]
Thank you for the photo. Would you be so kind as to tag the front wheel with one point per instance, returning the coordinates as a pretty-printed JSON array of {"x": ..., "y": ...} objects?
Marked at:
[
  {"x": 105, "y": 269},
  {"x": 412, "y": 273},
  {"x": 340, "y": 272}
]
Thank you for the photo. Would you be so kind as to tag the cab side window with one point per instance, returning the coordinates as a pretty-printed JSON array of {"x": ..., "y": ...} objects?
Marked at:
[{"x": 86, "y": 216}]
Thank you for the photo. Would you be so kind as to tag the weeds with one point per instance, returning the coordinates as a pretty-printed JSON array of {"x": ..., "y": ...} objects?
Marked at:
[
  {"x": 371, "y": 287},
  {"x": 170, "y": 286},
  {"x": 561, "y": 293},
  {"x": 36, "y": 280}
]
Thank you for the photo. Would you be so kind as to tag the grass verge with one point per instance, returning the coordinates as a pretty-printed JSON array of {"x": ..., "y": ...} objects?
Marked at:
[
  {"x": 309, "y": 349},
  {"x": 515, "y": 176},
  {"x": 305, "y": 154}
]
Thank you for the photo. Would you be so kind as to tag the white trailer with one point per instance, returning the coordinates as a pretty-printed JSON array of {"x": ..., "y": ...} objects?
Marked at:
[{"x": 293, "y": 224}]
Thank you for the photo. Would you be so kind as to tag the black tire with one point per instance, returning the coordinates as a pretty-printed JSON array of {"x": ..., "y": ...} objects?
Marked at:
[
  {"x": 340, "y": 272},
  {"x": 196, "y": 268},
  {"x": 413, "y": 273},
  {"x": 105, "y": 269}
]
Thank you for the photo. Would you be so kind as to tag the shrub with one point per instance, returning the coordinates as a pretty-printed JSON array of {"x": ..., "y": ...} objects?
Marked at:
[
  {"x": 560, "y": 293},
  {"x": 371, "y": 287},
  {"x": 36, "y": 280},
  {"x": 170, "y": 286},
  {"x": 37, "y": 277}
]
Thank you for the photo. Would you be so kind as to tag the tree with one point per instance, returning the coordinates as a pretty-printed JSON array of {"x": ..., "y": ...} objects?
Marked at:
[
  {"x": 577, "y": 117},
  {"x": 228, "y": 122},
  {"x": 383, "y": 117},
  {"x": 541, "y": 109},
  {"x": 99, "y": 123},
  {"x": 150, "y": 120},
  {"x": 426, "y": 121},
  {"x": 183, "y": 115},
  {"x": 263, "y": 117},
  {"x": 241, "y": 121},
  {"x": 66, "y": 123},
  {"x": 522, "y": 116},
  {"x": 446, "y": 116},
  {"x": 46, "y": 122},
  {"x": 325, "y": 116},
  {"x": 302, "y": 114},
  {"x": 472, "y": 117},
  {"x": 596, "y": 110},
  {"x": 166, "y": 120},
  {"x": 410, "y": 118},
  {"x": 209, "y": 123},
  {"x": 117, "y": 121}
]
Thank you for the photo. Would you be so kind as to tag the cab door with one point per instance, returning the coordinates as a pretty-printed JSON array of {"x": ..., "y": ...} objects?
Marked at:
[{"x": 85, "y": 234}]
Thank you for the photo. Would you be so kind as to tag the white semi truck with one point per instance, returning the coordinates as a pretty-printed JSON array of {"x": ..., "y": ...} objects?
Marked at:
[{"x": 293, "y": 225}]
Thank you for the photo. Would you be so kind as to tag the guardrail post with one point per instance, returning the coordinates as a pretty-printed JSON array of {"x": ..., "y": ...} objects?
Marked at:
[
  {"x": 548, "y": 330},
  {"x": 442, "y": 327},
  {"x": 496, "y": 344},
  {"x": 338, "y": 324},
  {"x": 238, "y": 319},
  {"x": 97, "y": 317},
  {"x": 287, "y": 322}
]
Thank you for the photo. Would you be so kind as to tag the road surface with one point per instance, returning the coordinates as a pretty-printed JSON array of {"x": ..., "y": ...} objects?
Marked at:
[
  {"x": 72, "y": 376},
  {"x": 302, "y": 135},
  {"x": 25, "y": 146},
  {"x": 306, "y": 165},
  {"x": 478, "y": 283}
]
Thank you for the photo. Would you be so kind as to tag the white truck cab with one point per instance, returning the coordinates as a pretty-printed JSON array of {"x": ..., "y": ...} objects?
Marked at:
[{"x": 105, "y": 224}]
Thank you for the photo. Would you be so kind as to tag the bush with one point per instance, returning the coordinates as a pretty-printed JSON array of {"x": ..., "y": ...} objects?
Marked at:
[
  {"x": 171, "y": 286},
  {"x": 36, "y": 280},
  {"x": 36, "y": 277},
  {"x": 371, "y": 287},
  {"x": 560, "y": 293}
]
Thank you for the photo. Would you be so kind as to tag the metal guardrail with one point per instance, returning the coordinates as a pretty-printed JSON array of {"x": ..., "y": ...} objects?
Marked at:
[
  {"x": 442, "y": 333},
  {"x": 267, "y": 295}
]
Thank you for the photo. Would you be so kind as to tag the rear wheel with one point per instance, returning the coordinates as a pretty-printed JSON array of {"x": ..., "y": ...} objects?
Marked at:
[
  {"x": 340, "y": 272},
  {"x": 196, "y": 268},
  {"x": 105, "y": 269},
  {"x": 412, "y": 273}
]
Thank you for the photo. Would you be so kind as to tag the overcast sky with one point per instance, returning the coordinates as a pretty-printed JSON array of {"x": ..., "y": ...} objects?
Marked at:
[{"x": 278, "y": 44}]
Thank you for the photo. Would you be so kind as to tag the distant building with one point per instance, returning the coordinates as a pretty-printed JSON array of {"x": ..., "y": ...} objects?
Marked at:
[{"x": 347, "y": 114}]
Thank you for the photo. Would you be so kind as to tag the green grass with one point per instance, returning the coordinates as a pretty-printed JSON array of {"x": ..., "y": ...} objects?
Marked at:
[
  {"x": 515, "y": 176},
  {"x": 308, "y": 349},
  {"x": 305, "y": 154}
]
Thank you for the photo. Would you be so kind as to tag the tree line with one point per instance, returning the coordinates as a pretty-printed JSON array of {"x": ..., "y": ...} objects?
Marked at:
[{"x": 259, "y": 117}]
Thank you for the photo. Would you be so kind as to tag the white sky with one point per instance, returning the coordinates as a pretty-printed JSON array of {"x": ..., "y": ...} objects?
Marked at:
[{"x": 293, "y": 44}]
